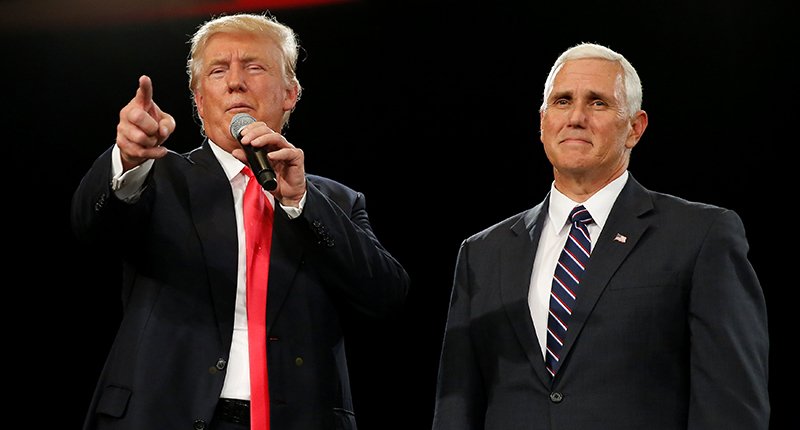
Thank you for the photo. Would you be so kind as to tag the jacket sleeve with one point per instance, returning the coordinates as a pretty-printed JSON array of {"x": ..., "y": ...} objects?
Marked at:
[
  {"x": 97, "y": 215},
  {"x": 347, "y": 253},
  {"x": 729, "y": 338},
  {"x": 460, "y": 395}
]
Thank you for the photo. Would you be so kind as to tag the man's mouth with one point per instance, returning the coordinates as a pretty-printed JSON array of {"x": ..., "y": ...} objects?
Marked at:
[{"x": 239, "y": 107}]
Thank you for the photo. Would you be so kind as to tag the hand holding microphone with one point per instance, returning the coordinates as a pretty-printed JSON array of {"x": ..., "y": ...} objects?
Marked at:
[{"x": 256, "y": 157}]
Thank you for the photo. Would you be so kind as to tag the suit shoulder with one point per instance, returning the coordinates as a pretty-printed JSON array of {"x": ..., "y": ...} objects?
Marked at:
[
  {"x": 672, "y": 202},
  {"x": 665, "y": 203},
  {"x": 500, "y": 227},
  {"x": 178, "y": 159},
  {"x": 330, "y": 186},
  {"x": 695, "y": 213}
]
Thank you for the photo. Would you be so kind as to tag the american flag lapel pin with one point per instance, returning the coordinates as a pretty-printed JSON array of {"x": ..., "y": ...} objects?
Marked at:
[{"x": 620, "y": 238}]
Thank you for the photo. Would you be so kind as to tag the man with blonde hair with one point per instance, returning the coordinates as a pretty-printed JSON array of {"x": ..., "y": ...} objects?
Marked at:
[{"x": 230, "y": 321}]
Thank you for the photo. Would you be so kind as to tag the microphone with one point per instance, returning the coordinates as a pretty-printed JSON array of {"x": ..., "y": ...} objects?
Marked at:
[{"x": 256, "y": 157}]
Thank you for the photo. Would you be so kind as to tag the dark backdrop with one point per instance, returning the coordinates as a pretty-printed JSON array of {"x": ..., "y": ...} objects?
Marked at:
[{"x": 430, "y": 109}]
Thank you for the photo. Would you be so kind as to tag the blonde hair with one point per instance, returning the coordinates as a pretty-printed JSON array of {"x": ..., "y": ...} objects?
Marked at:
[{"x": 261, "y": 24}]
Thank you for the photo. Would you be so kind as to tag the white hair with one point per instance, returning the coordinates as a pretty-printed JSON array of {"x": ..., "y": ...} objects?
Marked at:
[{"x": 632, "y": 96}]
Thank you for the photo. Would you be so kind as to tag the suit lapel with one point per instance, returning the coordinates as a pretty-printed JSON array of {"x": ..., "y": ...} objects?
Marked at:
[
  {"x": 516, "y": 264},
  {"x": 215, "y": 220},
  {"x": 285, "y": 258},
  {"x": 211, "y": 202},
  {"x": 623, "y": 229}
]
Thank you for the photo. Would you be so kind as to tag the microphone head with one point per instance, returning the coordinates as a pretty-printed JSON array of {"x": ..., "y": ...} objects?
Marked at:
[{"x": 239, "y": 121}]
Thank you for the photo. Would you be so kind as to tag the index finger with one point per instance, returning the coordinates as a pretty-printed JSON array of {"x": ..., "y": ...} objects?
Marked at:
[{"x": 144, "y": 94}]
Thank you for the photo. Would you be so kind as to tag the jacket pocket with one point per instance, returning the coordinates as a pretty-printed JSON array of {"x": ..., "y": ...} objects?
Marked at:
[
  {"x": 114, "y": 401},
  {"x": 345, "y": 419}
]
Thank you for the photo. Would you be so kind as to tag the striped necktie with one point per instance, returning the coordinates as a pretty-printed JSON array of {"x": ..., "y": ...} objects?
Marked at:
[{"x": 566, "y": 280}]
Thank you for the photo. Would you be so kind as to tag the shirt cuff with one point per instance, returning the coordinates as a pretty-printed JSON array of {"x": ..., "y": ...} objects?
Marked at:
[
  {"x": 128, "y": 186},
  {"x": 294, "y": 212}
]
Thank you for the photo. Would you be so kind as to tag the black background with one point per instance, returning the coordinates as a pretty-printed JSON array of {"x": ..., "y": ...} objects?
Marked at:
[{"x": 431, "y": 110}]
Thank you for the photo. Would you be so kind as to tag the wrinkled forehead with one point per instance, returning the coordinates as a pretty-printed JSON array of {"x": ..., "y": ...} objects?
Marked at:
[
  {"x": 589, "y": 78},
  {"x": 589, "y": 72}
]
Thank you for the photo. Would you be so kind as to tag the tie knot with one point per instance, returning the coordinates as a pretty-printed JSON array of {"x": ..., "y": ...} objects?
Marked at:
[
  {"x": 580, "y": 214},
  {"x": 246, "y": 170}
]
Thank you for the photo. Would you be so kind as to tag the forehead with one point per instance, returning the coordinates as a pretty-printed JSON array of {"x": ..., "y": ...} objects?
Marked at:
[
  {"x": 240, "y": 45},
  {"x": 589, "y": 73}
]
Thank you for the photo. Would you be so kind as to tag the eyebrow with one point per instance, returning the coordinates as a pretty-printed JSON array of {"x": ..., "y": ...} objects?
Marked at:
[
  {"x": 225, "y": 59},
  {"x": 569, "y": 94},
  {"x": 555, "y": 95},
  {"x": 595, "y": 95}
]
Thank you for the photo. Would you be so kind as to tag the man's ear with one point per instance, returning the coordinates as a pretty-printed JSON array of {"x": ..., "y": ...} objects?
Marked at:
[
  {"x": 292, "y": 95},
  {"x": 198, "y": 103},
  {"x": 638, "y": 124}
]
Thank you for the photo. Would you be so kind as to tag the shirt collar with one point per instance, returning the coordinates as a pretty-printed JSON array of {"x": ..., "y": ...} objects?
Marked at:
[
  {"x": 599, "y": 204},
  {"x": 230, "y": 164}
]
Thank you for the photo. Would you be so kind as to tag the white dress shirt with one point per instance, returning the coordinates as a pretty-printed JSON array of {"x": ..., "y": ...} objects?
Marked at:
[{"x": 554, "y": 236}]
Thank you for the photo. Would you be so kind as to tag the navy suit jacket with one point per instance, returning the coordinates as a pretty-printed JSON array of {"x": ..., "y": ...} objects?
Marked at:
[
  {"x": 166, "y": 367},
  {"x": 669, "y": 331}
]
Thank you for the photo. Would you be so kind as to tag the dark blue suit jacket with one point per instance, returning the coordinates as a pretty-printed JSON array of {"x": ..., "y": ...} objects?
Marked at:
[
  {"x": 669, "y": 331},
  {"x": 166, "y": 367}
]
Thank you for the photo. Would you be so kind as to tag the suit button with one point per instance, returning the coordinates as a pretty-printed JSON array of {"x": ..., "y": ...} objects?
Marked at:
[
  {"x": 199, "y": 425},
  {"x": 218, "y": 366},
  {"x": 98, "y": 205},
  {"x": 298, "y": 361},
  {"x": 556, "y": 397},
  {"x": 221, "y": 363}
]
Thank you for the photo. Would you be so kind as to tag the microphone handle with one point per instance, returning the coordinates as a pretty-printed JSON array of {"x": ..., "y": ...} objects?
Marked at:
[{"x": 262, "y": 170}]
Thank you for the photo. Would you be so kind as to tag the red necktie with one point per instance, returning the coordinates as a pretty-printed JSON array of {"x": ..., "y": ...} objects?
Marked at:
[{"x": 258, "y": 215}]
